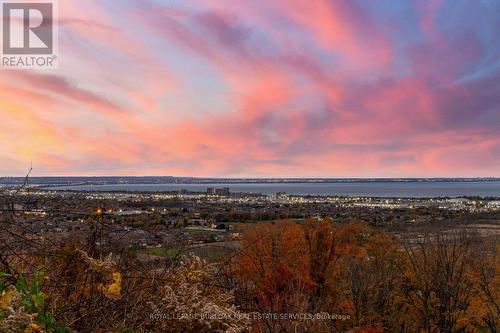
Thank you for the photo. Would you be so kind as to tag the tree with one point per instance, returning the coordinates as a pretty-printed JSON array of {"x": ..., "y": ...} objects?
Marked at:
[
  {"x": 272, "y": 269},
  {"x": 437, "y": 283},
  {"x": 325, "y": 246},
  {"x": 374, "y": 281}
]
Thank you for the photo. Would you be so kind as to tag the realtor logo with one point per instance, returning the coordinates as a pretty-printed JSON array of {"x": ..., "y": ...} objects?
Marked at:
[{"x": 29, "y": 34}]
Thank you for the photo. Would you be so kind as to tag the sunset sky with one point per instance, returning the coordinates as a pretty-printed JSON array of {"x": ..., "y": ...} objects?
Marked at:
[{"x": 250, "y": 88}]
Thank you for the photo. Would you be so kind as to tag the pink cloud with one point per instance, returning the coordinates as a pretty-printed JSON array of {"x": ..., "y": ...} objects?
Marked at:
[{"x": 306, "y": 89}]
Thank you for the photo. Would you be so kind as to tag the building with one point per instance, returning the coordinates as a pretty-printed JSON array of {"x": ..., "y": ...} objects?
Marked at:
[
  {"x": 223, "y": 191},
  {"x": 281, "y": 195},
  {"x": 494, "y": 204}
]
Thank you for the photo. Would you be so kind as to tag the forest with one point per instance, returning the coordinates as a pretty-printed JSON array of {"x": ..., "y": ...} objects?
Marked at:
[{"x": 283, "y": 276}]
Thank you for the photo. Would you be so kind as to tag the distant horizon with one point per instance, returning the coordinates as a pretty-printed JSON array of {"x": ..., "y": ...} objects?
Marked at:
[
  {"x": 252, "y": 177},
  {"x": 373, "y": 187}
]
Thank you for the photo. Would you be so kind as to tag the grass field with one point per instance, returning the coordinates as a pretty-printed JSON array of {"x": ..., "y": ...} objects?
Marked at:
[
  {"x": 201, "y": 230},
  {"x": 210, "y": 252},
  {"x": 161, "y": 251}
]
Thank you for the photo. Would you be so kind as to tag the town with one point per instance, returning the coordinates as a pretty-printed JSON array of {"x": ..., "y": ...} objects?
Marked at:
[
  {"x": 108, "y": 241},
  {"x": 160, "y": 220}
]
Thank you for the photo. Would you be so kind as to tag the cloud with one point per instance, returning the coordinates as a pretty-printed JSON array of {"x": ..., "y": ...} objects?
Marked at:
[
  {"x": 265, "y": 88},
  {"x": 61, "y": 86}
]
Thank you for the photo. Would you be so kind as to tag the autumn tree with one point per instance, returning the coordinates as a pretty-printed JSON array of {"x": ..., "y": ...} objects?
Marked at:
[
  {"x": 486, "y": 277},
  {"x": 373, "y": 283},
  {"x": 272, "y": 268},
  {"x": 437, "y": 283},
  {"x": 326, "y": 245}
]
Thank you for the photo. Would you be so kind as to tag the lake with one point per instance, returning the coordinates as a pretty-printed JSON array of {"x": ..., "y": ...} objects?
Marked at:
[{"x": 409, "y": 189}]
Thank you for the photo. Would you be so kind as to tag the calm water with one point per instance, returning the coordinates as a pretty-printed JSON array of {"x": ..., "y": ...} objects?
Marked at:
[{"x": 373, "y": 189}]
